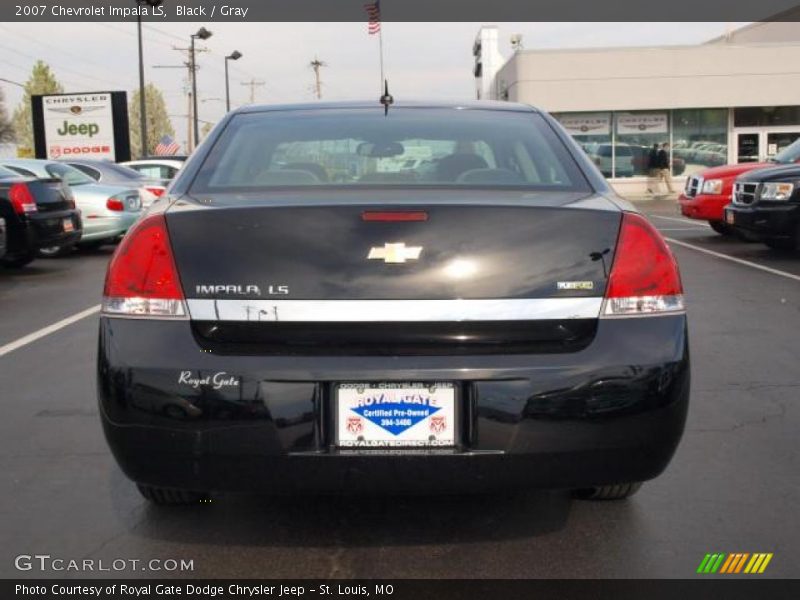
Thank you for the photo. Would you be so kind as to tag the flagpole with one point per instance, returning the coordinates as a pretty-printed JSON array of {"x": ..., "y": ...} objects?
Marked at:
[{"x": 380, "y": 47}]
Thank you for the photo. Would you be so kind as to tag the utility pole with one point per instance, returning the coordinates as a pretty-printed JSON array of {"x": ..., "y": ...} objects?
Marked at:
[
  {"x": 202, "y": 34},
  {"x": 316, "y": 64},
  {"x": 190, "y": 140},
  {"x": 253, "y": 84},
  {"x": 189, "y": 120}
]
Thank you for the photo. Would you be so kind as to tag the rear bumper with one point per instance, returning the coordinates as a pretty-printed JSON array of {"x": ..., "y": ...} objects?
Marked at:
[
  {"x": 108, "y": 227},
  {"x": 705, "y": 207},
  {"x": 766, "y": 222},
  {"x": 613, "y": 412},
  {"x": 42, "y": 230}
]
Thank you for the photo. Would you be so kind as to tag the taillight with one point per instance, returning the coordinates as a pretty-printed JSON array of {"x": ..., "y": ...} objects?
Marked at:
[
  {"x": 115, "y": 204},
  {"x": 142, "y": 279},
  {"x": 644, "y": 277},
  {"x": 21, "y": 199},
  {"x": 156, "y": 191}
]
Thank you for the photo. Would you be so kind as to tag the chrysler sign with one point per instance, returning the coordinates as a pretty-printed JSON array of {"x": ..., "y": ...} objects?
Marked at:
[
  {"x": 79, "y": 126},
  {"x": 88, "y": 125}
]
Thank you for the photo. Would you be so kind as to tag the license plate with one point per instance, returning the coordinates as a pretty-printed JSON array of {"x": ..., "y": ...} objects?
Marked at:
[
  {"x": 395, "y": 415},
  {"x": 729, "y": 218},
  {"x": 68, "y": 226}
]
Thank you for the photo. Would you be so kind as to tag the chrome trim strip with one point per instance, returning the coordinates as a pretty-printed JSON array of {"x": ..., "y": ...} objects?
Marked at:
[{"x": 394, "y": 310}]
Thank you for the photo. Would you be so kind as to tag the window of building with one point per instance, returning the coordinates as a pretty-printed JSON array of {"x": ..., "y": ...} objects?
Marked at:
[
  {"x": 699, "y": 139},
  {"x": 636, "y": 135},
  {"x": 760, "y": 116},
  {"x": 592, "y": 132}
]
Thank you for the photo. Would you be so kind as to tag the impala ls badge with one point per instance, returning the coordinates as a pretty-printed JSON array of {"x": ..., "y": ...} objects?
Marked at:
[{"x": 394, "y": 253}]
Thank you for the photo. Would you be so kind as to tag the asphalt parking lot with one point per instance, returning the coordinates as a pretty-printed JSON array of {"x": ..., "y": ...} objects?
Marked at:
[{"x": 732, "y": 487}]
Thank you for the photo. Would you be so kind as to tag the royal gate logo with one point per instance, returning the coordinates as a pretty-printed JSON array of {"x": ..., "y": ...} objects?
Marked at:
[
  {"x": 397, "y": 412},
  {"x": 734, "y": 564}
]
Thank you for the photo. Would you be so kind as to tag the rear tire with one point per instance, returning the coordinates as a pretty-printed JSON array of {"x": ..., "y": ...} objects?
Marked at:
[
  {"x": 171, "y": 497},
  {"x": 17, "y": 261},
  {"x": 721, "y": 228},
  {"x": 617, "y": 491}
]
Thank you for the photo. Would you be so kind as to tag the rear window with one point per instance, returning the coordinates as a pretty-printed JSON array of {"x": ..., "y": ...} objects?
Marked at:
[
  {"x": 68, "y": 174},
  {"x": 409, "y": 147},
  {"x": 8, "y": 174}
]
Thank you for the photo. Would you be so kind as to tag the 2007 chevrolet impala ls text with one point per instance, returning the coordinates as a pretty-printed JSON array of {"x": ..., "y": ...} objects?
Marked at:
[{"x": 418, "y": 297}]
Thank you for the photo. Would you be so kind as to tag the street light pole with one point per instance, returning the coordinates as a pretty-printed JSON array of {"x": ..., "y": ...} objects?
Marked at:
[
  {"x": 235, "y": 55},
  {"x": 202, "y": 34},
  {"x": 142, "y": 103}
]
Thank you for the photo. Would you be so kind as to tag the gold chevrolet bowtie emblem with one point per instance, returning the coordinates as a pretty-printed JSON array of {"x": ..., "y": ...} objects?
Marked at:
[{"x": 394, "y": 253}]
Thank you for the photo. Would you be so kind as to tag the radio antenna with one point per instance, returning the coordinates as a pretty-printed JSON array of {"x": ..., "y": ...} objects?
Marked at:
[{"x": 387, "y": 99}]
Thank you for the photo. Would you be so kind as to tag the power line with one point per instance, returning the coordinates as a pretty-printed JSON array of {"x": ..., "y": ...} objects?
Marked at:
[
  {"x": 253, "y": 84},
  {"x": 61, "y": 68}
]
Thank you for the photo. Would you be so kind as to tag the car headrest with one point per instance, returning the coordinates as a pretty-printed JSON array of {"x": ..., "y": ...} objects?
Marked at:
[{"x": 449, "y": 168}]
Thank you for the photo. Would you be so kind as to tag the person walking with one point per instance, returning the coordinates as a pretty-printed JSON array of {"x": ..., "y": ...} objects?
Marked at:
[
  {"x": 652, "y": 169},
  {"x": 663, "y": 166}
]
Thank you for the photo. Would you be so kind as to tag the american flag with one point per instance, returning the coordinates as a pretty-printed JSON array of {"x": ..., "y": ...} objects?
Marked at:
[
  {"x": 167, "y": 146},
  {"x": 374, "y": 16}
]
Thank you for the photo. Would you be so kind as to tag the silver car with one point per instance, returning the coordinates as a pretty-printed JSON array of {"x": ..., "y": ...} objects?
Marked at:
[
  {"x": 107, "y": 211},
  {"x": 104, "y": 171}
]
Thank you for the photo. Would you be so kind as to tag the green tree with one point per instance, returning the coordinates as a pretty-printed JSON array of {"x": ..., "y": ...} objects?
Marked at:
[
  {"x": 6, "y": 128},
  {"x": 158, "y": 121},
  {"x": 206, "y": 129},
  {"x": 41, "y": 81}
]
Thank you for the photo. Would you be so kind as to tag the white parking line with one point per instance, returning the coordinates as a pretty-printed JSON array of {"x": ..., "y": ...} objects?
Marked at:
[
  {"x": 694, "y": 224},
  {"x": 740, "y": 261},
  {"x": 32, "y": 337}
]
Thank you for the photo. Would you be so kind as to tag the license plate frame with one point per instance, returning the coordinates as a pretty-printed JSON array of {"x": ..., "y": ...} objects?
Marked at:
[
  {"x": 378, "y": 438},
  {"x": 67, "y": 225}
]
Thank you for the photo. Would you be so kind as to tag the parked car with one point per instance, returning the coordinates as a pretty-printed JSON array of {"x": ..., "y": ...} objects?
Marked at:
[
  {"x": 2, "y": 237},
  {"x": 368, "y": 335},
  {"x": 107, "y": 211},
  {"x": 158, "y": 167},
  {"x": 707, "y": 193},
  {"x": 37, "y": 213},
  {"x": 766, "y": 206},
  {"x": 105, "y": 171},
  {"x": 601, "y": 156}
]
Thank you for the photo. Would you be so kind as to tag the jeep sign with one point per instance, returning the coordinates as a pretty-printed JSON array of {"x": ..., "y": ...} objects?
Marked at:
[{"x": 88, "y": 125}]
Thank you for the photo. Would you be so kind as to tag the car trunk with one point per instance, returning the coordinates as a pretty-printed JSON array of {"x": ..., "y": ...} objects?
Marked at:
[
  {"x": 50, "y": 195},
  {"x": 256, "y": 258}
]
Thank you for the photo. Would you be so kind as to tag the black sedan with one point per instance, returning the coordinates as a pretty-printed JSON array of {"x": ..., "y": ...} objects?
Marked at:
[
  {"x": 38, "y": 213},
  {"x": 766, "y": 206},
  {"x": 306, "y": 312}
]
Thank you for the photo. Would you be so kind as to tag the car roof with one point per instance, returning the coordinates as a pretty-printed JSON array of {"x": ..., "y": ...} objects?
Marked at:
[
  {"x": 153, "y": 161},
  {"x": 87, "y": 161},
  {"x": 27, "y": 161},
  {"x": 364, "y": 104}
]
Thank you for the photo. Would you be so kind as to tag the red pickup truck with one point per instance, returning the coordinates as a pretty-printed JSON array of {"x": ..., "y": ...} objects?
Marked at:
[{"x": 706, "y": 193}]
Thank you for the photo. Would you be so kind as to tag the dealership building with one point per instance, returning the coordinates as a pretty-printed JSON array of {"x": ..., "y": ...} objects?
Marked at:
[{"x": 735, "y": 98}]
